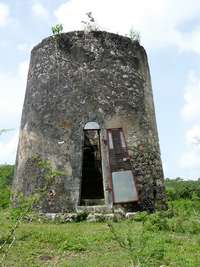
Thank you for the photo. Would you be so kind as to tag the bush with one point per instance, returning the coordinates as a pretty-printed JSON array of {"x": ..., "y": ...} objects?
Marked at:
[
  {"x": 143, "y": 249},
  {"x": 157, "y": 222},
  {"x": 6, "y": 177},
  {"x": 180, "y": 189}
]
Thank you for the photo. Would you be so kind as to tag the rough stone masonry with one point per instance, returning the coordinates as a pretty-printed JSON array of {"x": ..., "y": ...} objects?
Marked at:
[{"x": 89, "y": 116}]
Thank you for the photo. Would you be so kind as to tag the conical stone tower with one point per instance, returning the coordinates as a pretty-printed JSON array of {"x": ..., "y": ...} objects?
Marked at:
[{"x": 88, "y": 131}]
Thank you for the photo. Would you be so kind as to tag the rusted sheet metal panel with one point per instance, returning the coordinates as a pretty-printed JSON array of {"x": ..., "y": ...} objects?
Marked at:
[
  {"x": 118, "y": 154},
  {"x": 123, "y": 182},
  {"x": 124, "y": 187}
]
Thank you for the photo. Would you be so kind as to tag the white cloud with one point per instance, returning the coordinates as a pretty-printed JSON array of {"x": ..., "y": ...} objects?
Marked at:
[
  {"x": 158, "y": 21},
  {"x": 8, "y": 149},
  {"x": 11, "y": 100},
  {"x": 191, "y": 108},
  {"x": 12, "y": 90},
  {"x": 193, "y": 136},
  {"x": 190, "y": 41},
  {"x": 40, "y": 11},
  {"x": 190, "y": 160},
  {"x": 4, "y": 14}
]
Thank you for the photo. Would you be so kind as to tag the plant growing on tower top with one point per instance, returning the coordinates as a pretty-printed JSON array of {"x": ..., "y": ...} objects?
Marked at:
[{"x": 57, "y": 29}]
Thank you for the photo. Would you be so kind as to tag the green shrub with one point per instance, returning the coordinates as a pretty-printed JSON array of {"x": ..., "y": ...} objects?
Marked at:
[
  {"x": 6, "y": 177},
  {"x": 141, "y": 216},
  {"x": 142, "y": 247},
  {"x": 180, "y": 189},
  {"x": 157, "y": 222},
  {"x": 57, "y": 29},
  {"x": 134, "y": 35}
]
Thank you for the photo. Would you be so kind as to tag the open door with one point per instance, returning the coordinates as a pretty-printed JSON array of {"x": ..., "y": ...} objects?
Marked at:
[
  {"x": 92, "y": 182},
  {"x": 123, "y": 182}
]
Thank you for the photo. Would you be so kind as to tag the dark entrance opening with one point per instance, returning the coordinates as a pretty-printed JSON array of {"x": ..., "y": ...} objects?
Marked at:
[{"x": 92, "y": 181}]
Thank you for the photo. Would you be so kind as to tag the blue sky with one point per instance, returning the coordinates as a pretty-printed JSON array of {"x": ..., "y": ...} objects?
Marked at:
[{"x": 170, "y": 32}]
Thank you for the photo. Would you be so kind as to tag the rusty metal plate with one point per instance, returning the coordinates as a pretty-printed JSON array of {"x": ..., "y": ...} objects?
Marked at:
[
  {"x": 118, "y": 153},
  {"x": 124, "y": 187}
]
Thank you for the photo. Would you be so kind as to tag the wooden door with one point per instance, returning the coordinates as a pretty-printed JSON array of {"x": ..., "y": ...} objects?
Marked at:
[{"x": 123, "y": 182}]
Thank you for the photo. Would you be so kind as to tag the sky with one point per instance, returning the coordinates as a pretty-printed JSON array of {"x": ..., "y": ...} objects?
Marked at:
[{"x": 170, "y": 33}]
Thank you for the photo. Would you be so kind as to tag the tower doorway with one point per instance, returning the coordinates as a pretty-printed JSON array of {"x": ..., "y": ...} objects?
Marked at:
[{"x": 92, "y": 192}]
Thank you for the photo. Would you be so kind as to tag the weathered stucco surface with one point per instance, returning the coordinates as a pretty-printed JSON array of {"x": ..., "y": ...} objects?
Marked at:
[{"x": 74, "y": 79}]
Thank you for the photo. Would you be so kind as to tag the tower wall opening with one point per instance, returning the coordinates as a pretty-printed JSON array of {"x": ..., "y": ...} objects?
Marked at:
[{"x": 92, "y": 180}]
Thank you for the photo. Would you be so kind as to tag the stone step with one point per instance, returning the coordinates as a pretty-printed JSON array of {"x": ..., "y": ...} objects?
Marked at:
[
  {"x": 92, "y": 202},
  {"x": 94, "y": 209},
  {"x": 95, "y": 215}
]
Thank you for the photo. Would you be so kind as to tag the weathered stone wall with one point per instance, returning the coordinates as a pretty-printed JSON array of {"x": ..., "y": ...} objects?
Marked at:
[{"x": 73, "y": 79}]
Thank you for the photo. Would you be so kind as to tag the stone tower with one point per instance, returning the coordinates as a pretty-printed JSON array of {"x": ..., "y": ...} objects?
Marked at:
[{"x": 88, "y": 130}]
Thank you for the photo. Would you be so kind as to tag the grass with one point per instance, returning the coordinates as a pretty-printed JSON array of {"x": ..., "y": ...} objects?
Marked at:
[
  {"x": 167, "y": 239},
  {"x": 170, "y": 238},
  {"x": 72, "y": 244}
]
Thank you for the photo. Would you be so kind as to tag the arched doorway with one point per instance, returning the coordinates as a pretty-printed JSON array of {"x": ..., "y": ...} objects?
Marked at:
[{"x": 92, "y": 192}]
